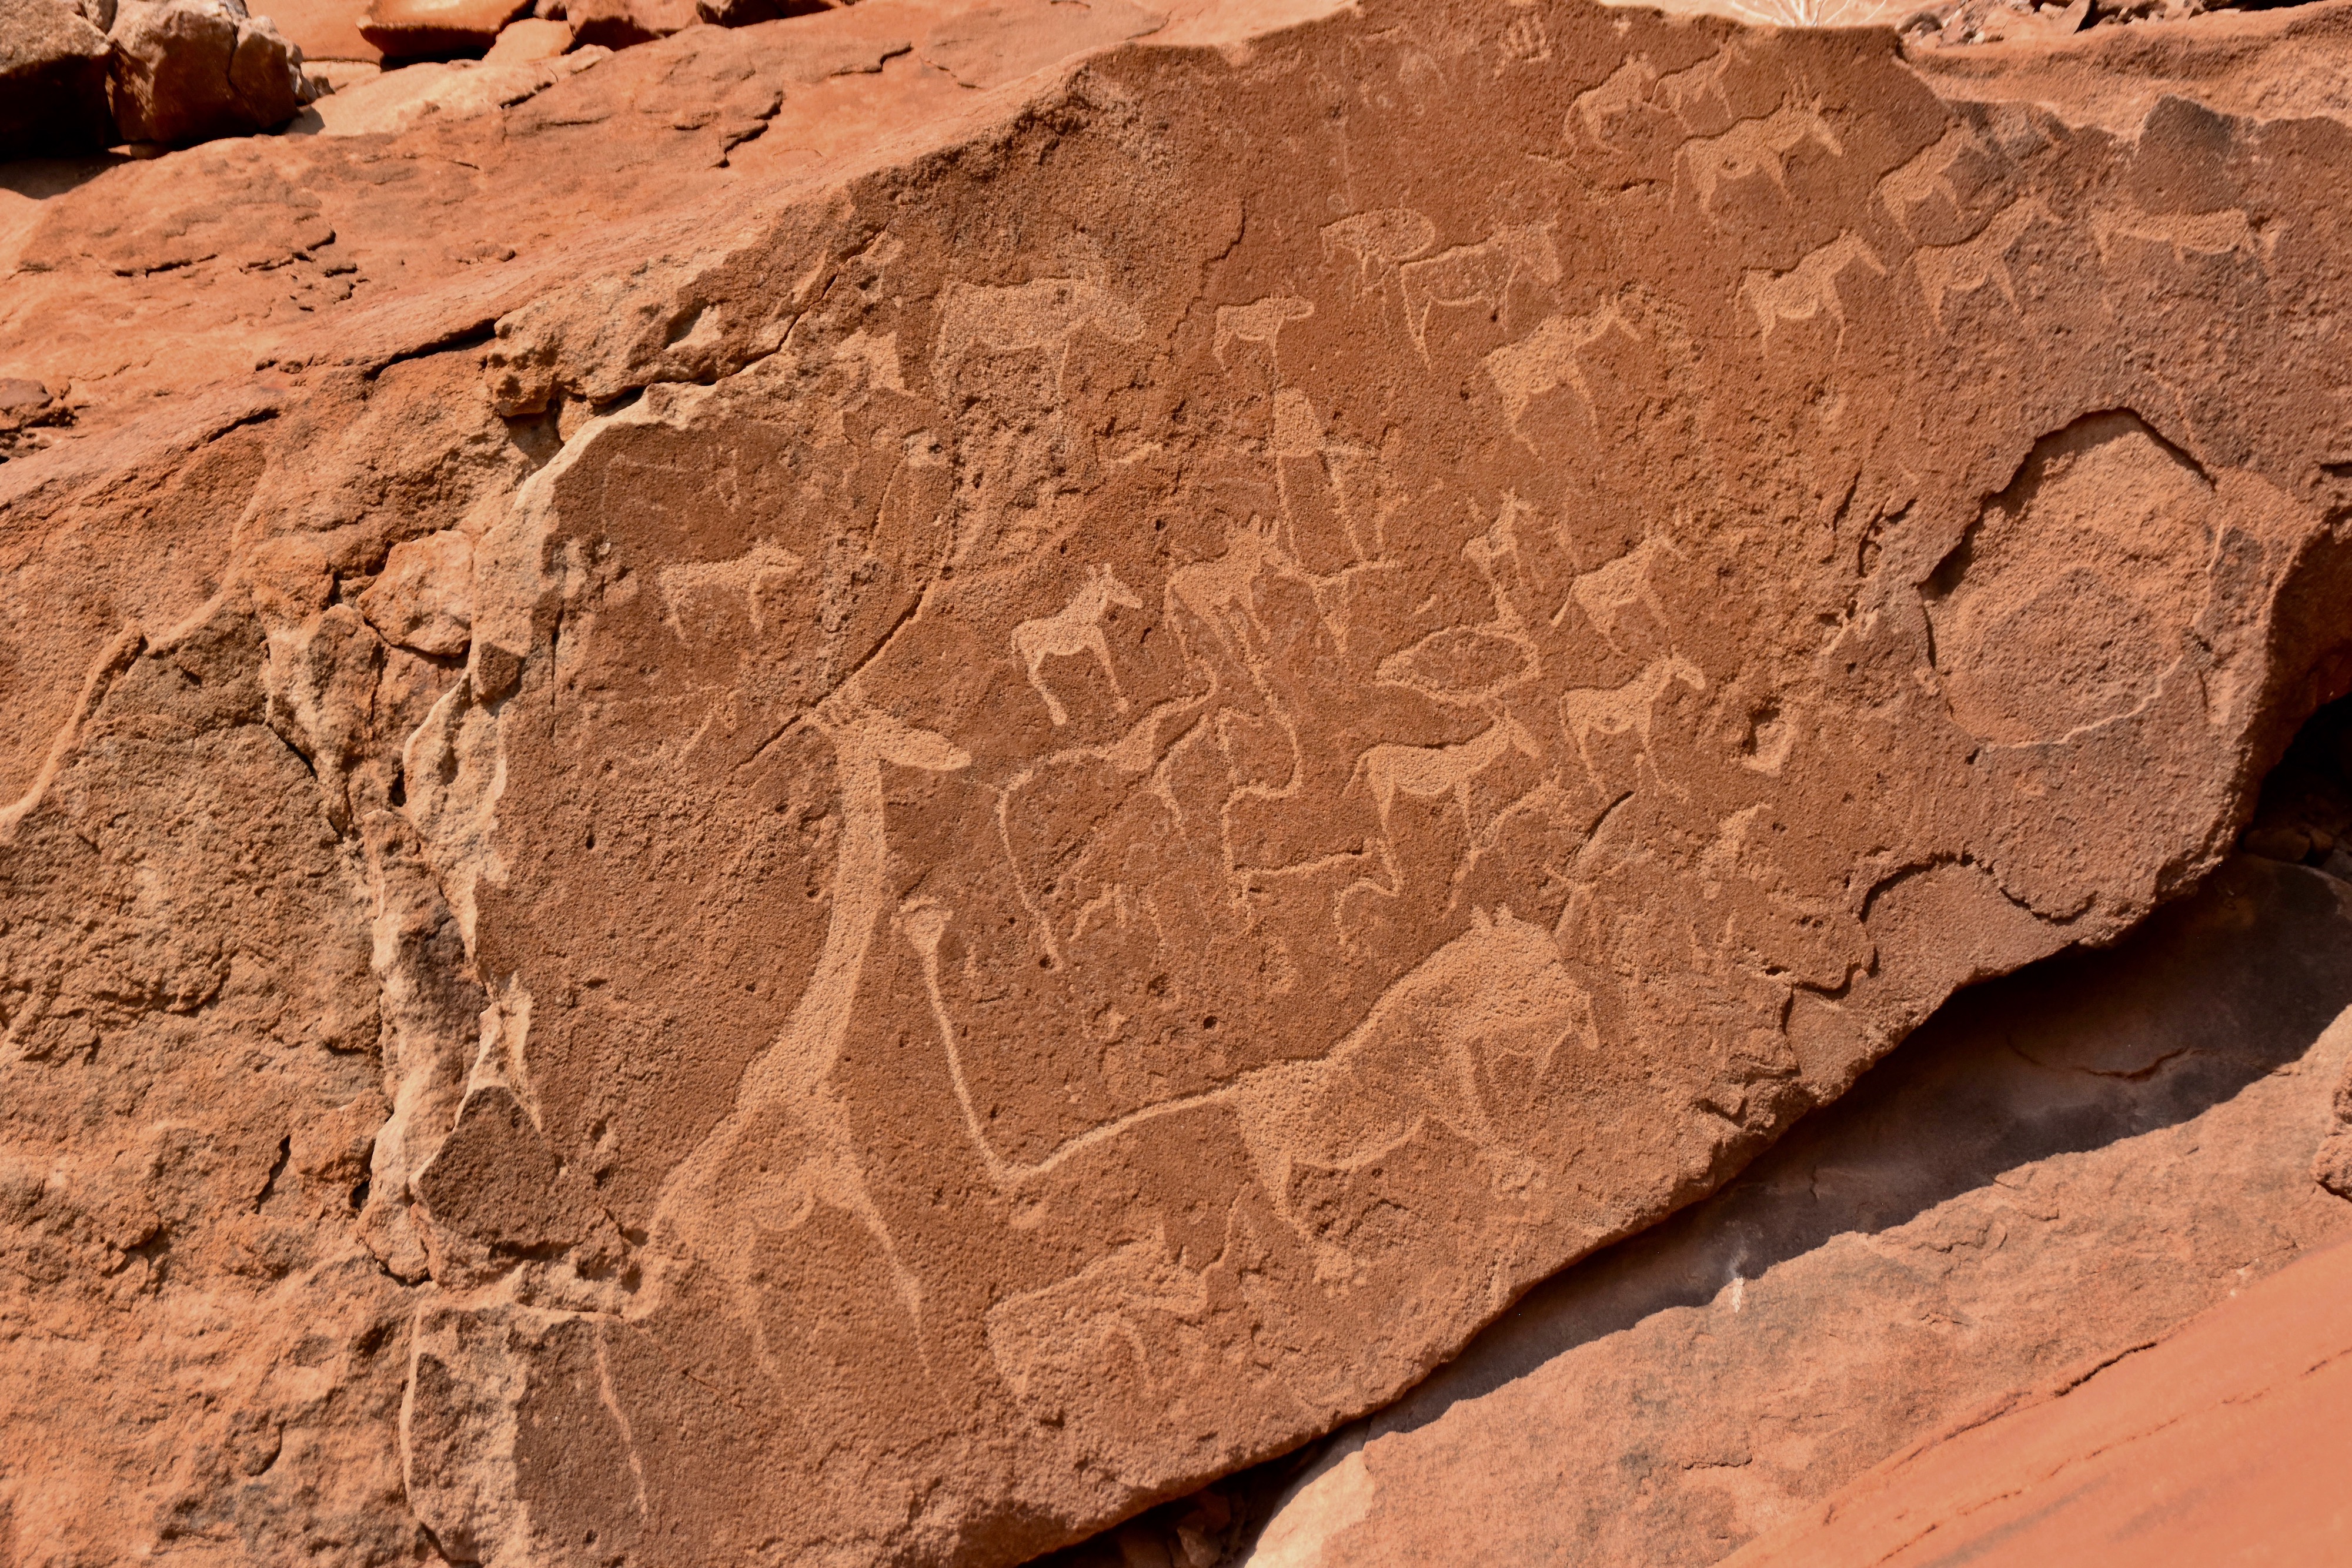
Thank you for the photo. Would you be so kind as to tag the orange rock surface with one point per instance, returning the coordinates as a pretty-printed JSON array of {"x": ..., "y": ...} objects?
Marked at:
[
  {"x": 854, "y": 791},
  {"x": 2223, "y": 1444}
]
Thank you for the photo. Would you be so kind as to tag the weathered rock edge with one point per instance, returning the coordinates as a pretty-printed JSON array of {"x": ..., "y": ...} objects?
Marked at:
[{"x": 1650, "y": 554}]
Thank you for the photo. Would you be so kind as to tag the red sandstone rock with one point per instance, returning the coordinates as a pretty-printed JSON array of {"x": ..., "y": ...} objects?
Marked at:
[
  {"x": 190, "y": 70},
  {"x": 617, "y": 24},
  {"x": 2224, "y": 1443},
  {"x": 2063, "y": 1165},
  {"x": 52, "y": 80},
  {"x": 530, "y": 40},
  {"x": 324, "y": 29},
  {"x": 1133, "y": 741},
  {"x": 400, "y": 28}
]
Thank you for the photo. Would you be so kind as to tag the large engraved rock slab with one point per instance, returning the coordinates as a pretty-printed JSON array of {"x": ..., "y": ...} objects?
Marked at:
[
  {"x": 991, "y": 808},
  {"x": 1305, "y": 689}
]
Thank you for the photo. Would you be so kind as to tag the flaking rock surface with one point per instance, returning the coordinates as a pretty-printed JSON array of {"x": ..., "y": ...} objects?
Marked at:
[{"x": 954, "y": 823}]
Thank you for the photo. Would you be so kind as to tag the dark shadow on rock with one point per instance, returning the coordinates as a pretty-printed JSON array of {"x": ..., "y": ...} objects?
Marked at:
[
  {"x": 2074, "y": 1053},
  {"x": 41, "y": 178}
]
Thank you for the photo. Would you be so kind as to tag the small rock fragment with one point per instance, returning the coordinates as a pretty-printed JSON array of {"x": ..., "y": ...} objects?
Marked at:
[
  {"x": 616, "y": 23},
  {"x": 324, "y": 30},
  {"x": 532, "y": 38}
]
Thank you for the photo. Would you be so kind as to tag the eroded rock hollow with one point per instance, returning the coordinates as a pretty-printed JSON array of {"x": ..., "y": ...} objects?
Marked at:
[{"x": 935, "y": 839}]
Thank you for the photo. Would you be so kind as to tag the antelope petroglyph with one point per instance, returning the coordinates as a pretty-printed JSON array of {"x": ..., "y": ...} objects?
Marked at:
[
  {"x": 1606, "y": 592},
  {"x": 1629, "y": 710},
  {"x": 1078, "y": 629}
]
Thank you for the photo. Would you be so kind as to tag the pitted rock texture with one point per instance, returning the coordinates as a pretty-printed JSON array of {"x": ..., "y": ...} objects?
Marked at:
[{"x": 1026, "y": 796}]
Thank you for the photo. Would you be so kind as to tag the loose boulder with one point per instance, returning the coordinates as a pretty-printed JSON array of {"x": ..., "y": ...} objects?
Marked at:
[
  {"x": 190, "y": 70},
  {"x": 423, "y": 27}
]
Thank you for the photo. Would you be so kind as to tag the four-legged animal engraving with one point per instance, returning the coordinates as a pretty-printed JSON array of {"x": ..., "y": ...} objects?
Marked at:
[
  {"x": 1479, "y": 275},
  {"x": 1607, "y": 592},
  {"x": 1549, "y": 357},
  {"x": 1754, "y": 147},
  {"x": 1221, "y": 593},
  {"x": 1046, "y": 314},
  {"x": 748, "y": 574},
  {"x": 1498, "y": 990},
  {"x": 1261, "y": 322},
  {"x": 1810, "y": 288},
  {"x": 1629, "y": 710},
  {"x": 1429, "y": 771},
  {"x": 1947, "y": 271},
  {"x": 1380, "y": 241},
  {"x": 1078, "y": 629}
]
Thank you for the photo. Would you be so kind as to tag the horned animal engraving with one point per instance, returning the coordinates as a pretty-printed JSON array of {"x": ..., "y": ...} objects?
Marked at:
[
  {"x": 1627, "y": 709},
  {"x": 1078, "y": 629}
]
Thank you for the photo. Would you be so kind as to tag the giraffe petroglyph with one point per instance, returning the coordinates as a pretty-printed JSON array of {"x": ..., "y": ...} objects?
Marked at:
[{"x": 786, "y": 1105}]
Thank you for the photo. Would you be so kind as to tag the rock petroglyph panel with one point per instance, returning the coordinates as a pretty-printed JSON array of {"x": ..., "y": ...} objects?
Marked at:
[
  {"x": 1270, "y": 701},
  {"x": 1322, "y": 758}
]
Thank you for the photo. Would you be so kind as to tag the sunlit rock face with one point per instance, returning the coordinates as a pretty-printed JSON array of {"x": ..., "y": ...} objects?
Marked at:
[{"x": 1017, "y": 812}]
